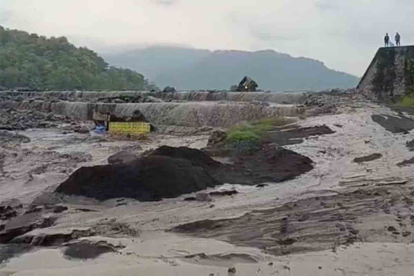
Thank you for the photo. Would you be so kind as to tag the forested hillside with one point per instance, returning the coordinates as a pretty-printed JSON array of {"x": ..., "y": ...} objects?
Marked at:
[{"x": 36, "y": 62}]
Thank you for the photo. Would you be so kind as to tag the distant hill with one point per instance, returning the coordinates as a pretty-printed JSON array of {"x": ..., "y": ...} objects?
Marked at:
[
  {"x": 36, "y": 62},
  {"x": 191, "y": 69},
  {"x": 157, "y": 59}
]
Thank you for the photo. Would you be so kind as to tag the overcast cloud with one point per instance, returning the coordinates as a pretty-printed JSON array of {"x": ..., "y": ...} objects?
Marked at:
[{"x": 344, "y": 34}]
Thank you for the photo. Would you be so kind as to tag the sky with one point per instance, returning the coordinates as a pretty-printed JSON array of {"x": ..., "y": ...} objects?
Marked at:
[{"x": 344, "y": 34}]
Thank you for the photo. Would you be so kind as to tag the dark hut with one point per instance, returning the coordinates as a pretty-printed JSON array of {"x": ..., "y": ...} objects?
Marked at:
[{"x": 247, "y": 85}]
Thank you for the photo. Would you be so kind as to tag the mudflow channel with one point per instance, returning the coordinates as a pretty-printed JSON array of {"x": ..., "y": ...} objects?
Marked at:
[{"x": 340, "y": 218}]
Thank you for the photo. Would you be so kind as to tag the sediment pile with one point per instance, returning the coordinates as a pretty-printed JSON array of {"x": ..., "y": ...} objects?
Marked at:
[
  {"x": 264, "y": 163},
  {"x": 147, "y": 179},
  {"x": 170, "y": 172}
]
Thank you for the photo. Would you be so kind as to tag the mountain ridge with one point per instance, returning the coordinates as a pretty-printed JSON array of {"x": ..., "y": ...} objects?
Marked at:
[{"x": 192, "y": 69}]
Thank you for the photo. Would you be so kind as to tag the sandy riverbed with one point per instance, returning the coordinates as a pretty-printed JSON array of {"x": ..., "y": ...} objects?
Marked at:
[{"x": 157, "y": 251}]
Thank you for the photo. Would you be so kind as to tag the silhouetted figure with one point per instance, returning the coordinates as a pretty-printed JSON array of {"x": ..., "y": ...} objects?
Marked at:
[
  {"x": 398, "y": 39},
  {"x": 387, "y": 40}
]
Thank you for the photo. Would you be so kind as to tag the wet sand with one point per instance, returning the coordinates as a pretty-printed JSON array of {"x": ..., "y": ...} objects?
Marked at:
[{"x": 308, "y": 242}]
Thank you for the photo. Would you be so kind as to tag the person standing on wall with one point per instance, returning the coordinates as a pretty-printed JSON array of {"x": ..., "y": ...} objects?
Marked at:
[
  {"x": 398, "y": 39},
  {"x": 387, "y": 40}
]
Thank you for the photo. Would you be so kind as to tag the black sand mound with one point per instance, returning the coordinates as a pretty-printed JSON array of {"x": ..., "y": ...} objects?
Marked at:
[
  {"x": 170, "y": 172},
  {"x": 269, "y": 163},
  {"x": 147, "y": 179},
  {"x": 407, "y": 162},
  {"x": 368, "y": 158},
  {"x": 87, "y": 250},
  {"x": 123, "y": 157},
  {"x": 196, "y": 157},
  {"x": 295, "y": 135},
  {"x": 410, "y": 145},
  {"x": 394, "y": 124}
]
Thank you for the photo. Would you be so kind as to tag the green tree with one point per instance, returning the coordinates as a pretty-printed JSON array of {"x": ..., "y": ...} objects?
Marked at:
[{"x": 37, "y": 62}]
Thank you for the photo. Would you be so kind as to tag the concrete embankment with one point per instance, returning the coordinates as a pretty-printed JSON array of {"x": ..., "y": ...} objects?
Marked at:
[
  {"x": 192, "y": 114},
  {"x": 390, "y": 74},
  {"x": 279, "y": 98}
]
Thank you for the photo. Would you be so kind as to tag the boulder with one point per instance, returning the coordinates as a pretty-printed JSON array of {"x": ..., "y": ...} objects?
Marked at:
[
  {"x": 88, "y": 250},
  {"x": 59, "y": 209},
  {"x": 151, "y": 99},
  {"x": 169, "y": 89},
  {"x": 203, "y": 197},
  {"x": 83, "y": 130},
  {"x": 77, "y": 156},
  {"x": 6, "y": 136},
  {"x": 10, "y": 209},
  {"x": 410, "y": 145},
  {"x": 368, "y": 158},
  {"x": 217, "y": 137},
  {"x": 123, "y": 157},
  {"x": 137, "y": 116},
  {"x": 24, "y": 224}
]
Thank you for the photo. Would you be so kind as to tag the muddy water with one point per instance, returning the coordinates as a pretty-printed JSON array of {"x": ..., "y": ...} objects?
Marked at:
[
  {"x": 279, "y": 98},
  {"x": 319, "y": 223},
  {"x": 191, "y": 114},
  {"x": 52, "y": 156},
  {"x": 156, "y": 252},
  {"x": 10, "y": 251}
]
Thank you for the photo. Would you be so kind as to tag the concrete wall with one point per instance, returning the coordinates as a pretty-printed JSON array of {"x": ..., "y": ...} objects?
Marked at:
[
  {"x": 191, "y": 114},
  {"x": 390, "y": 74}
]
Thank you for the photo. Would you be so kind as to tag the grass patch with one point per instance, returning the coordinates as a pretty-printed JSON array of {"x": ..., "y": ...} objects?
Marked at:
[
  {"x": 242, "y": 135},
  {"x": 407, "y": 101},
  {"x": 253, "y": 131}
]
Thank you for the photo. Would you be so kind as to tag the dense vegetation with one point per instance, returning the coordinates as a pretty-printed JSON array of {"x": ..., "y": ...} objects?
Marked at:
[{"x": 36, "y": 62}]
